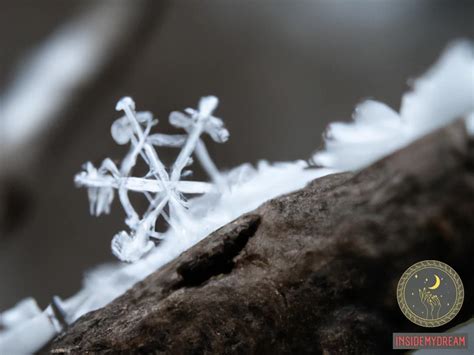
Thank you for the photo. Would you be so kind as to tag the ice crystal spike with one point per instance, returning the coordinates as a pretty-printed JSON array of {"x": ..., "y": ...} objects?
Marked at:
[
  {"x": 161, "y": 188},
  {"x": 195, "y": 123}
]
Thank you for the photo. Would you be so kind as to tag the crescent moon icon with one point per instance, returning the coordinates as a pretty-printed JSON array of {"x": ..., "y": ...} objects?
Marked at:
[{"x": 436, "y": 284}]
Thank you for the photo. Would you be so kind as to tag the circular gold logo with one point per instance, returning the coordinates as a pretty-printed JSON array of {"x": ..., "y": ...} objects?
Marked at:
[{"x": 430, "y": 293}]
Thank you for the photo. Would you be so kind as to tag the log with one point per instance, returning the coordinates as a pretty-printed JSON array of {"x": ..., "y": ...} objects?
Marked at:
[{"x": 311, "y": 272}]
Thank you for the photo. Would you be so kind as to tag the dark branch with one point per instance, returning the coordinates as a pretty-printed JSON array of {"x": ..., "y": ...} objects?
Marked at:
[{"x": 314, "y": 271}]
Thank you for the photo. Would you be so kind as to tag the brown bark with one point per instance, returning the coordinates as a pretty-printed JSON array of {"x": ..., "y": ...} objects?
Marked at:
[{"x": 314, "y": 271}]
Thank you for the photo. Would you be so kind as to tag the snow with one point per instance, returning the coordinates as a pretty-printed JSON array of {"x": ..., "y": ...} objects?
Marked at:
[
  {"x": 30, "y": 335},
  {"x": 23, "y": 310},
  {"x": 445, "y": 93}
]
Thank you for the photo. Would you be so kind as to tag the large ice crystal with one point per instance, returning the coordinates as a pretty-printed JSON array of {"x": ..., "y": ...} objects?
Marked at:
[{"x": 162, "y": 189}]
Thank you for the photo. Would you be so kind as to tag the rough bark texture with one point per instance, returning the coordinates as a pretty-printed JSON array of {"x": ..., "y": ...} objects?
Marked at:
[{"x": 314, "y": 271}]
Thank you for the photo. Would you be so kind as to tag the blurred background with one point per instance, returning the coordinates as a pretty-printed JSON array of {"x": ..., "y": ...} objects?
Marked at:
[{"x": 282, "y": 70}]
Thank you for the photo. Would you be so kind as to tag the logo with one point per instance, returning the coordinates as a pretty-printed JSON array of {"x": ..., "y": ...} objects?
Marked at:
[
  {"x": 430, "y": 293},
  {"x": 430, "y": 341}
]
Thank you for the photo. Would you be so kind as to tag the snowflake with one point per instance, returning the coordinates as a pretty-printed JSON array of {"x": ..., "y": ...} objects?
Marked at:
[{"x": 162, "y": 187}]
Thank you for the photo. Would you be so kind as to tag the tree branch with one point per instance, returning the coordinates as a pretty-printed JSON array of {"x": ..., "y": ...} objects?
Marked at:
[{"x": 314, "y": 271}]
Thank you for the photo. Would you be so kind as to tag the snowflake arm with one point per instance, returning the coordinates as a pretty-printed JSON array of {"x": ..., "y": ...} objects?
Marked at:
[{"x": 162, "y": 189}]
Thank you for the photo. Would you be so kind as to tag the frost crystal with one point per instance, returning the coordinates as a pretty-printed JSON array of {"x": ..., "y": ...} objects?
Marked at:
[{"x": 162, "y": 189}]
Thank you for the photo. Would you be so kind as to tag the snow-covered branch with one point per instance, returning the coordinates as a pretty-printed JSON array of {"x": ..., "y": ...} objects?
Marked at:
[{"x": 445, "y": 93}]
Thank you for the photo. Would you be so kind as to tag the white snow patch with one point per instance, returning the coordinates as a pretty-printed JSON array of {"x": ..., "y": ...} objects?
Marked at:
[{"x": 443, "y": 94}]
